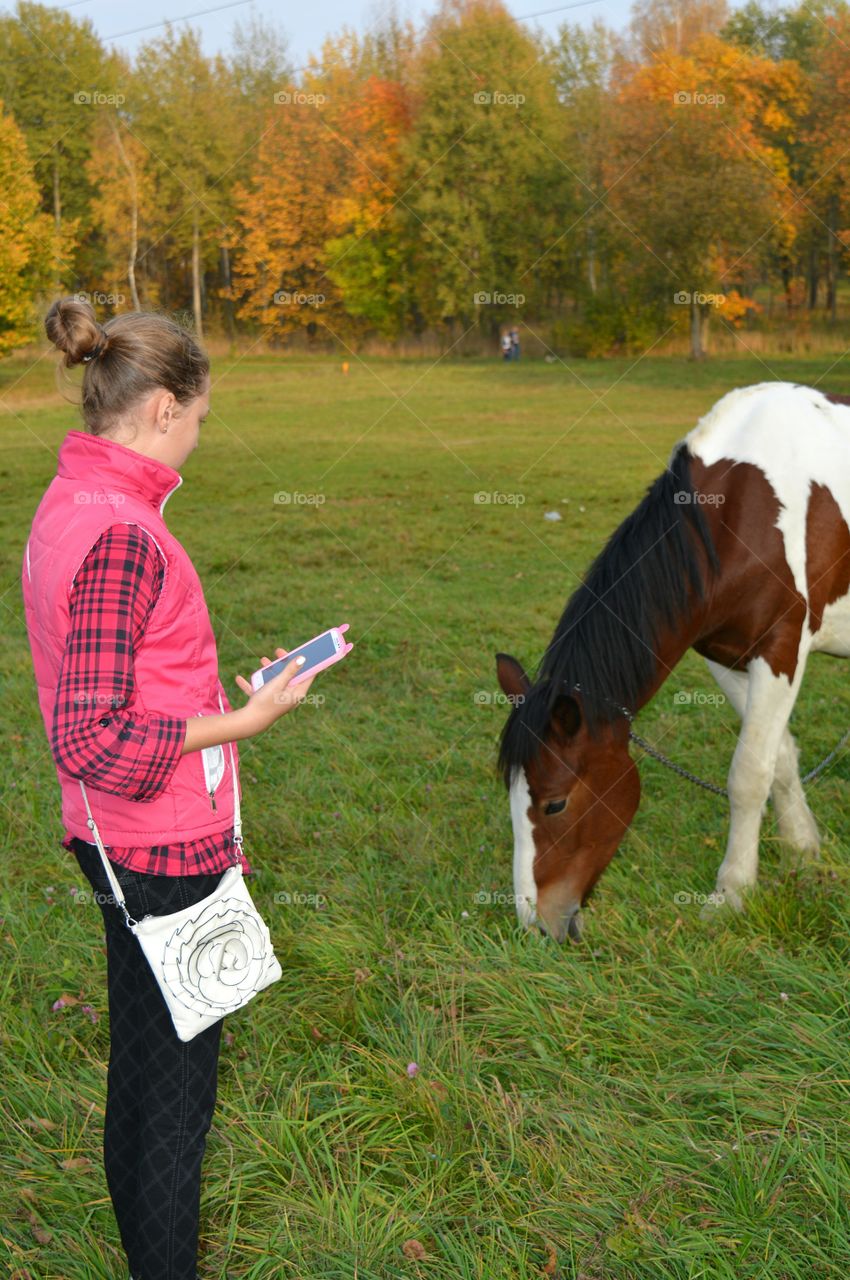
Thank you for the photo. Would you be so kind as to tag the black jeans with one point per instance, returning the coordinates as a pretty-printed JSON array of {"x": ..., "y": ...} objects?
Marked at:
[{"x": 161, "y": 1091}]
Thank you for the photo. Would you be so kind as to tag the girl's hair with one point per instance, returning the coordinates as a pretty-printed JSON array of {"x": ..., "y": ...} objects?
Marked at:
[{"x": 126, "y": 359}]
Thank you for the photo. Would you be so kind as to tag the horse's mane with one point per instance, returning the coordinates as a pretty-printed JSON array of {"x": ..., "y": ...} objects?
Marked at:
[{"x": 605, "y": 642}]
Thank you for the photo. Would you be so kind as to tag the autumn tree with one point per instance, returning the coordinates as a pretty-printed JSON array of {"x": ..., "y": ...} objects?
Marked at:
[
  {"x": 27, "y": 248},
  {"x": 123, "y": 204},
  {"x": 315, "y": 215},
  {"x": 672, "y": 26},
  {"x": 283, "y": 215},
  {"x": 55, "y": 77},
  {"x": 698, "y": 180},
  {"x": 367, "y": 255},
  {"x": 799, "y": 35}
]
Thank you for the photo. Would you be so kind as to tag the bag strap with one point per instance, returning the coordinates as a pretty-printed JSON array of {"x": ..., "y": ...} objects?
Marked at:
[
  {"x": 110, "y": 874},
  {"x": 237, "y": 808},
  {"x": 107, "y": 866}
]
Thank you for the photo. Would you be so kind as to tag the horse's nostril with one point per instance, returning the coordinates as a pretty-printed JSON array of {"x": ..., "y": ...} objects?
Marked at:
[{"x": 574, "y": 928}]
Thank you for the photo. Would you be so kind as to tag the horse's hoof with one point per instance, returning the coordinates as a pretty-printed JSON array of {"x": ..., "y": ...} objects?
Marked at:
[
  {"x": 805, "y": 840},
  {"x": 721, "y": 902}
]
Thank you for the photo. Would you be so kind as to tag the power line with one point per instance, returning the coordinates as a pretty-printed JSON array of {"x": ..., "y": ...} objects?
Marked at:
[
  {"x": 543, "y": 12},
  {"x": 234, "y": 4}
]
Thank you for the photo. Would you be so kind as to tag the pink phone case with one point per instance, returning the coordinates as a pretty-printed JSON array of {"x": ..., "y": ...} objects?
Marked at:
[{"x": 328, "y": 662}]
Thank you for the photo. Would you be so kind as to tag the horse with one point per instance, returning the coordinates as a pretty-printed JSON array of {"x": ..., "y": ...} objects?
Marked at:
[{"x": 739, "y": 550}]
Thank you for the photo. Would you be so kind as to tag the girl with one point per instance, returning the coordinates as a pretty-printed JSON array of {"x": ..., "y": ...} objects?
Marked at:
[{"x": 127, "y": 673}]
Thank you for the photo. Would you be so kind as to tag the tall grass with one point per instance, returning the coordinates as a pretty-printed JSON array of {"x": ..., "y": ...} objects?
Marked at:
[{"x": 666, "y": 1100}]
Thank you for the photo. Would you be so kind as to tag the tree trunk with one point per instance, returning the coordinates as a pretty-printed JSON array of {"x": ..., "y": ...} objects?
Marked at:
[
  {"x": 697, "y": 349},
  {"x": 832, "y": 258},
  {"x": 134, "y": 249},
  {"x": 813, "y": 278},
  {"x": 228, "y": 300},
  {"x": 57, "y": 216},
  {"x": 133, "y": 252},
  {"x": 591, "y": 259},
  {"x": 57, "y": 198},
  {"x": 786, "y": 288},
  {"x": 196, "y": 274}
]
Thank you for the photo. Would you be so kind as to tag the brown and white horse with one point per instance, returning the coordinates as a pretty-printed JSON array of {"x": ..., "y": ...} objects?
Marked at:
[{"x": 739, "y": 550}]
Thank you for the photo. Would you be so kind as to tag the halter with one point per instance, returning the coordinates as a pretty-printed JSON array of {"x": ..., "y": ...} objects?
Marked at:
[{"x": 692, "y": 777}]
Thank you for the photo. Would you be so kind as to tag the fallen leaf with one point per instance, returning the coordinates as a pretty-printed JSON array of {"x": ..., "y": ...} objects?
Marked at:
[
  {"x": 64, "y": 1001},
  {"x": 413, "y": 1249}
]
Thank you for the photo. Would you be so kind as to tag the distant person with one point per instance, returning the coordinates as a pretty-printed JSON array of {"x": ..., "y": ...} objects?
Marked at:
[
  {"x": 507, "y": 346},
  {"x": 514, "y": 337}
]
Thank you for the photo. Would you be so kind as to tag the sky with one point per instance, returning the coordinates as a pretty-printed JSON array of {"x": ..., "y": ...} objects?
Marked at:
[{"x": 305, "y": 26}]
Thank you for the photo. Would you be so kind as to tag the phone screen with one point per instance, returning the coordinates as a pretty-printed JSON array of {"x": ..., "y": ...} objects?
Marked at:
[{"x": 316, "y": 651}]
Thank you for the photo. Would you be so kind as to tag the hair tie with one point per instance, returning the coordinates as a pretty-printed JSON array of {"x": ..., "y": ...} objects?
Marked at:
[{"x": 96, "y": 350}]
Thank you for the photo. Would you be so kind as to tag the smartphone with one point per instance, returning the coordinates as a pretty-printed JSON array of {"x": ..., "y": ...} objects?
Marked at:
[{"x": 320, "y": 652}]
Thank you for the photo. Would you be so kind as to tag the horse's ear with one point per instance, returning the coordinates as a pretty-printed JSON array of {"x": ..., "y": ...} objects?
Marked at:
[
  {"x": 513, "y": 680},
  {"x": 566, "y": 716}
]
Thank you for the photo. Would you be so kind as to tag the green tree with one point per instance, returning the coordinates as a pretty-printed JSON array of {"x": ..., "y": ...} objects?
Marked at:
[
  {"x": 489, "y": 194},
  {"x": 583, "y": 60},
  {"x": 55, "y": 78},
  {"x": 182, "y": 113}
]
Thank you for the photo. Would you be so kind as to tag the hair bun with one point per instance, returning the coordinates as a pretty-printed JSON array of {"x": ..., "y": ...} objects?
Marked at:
[{"x": 72, "y": 328}]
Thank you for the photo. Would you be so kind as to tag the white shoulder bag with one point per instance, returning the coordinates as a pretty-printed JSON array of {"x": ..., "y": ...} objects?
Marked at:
[{"x": 208, "y": 959}]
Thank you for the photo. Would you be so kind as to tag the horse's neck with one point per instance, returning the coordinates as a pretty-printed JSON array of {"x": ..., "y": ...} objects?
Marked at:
[{"x": 671, "y": 647}]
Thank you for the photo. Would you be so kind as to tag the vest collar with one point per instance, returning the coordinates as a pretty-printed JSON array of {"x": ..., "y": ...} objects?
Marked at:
[{"x": 98, "y": 460}]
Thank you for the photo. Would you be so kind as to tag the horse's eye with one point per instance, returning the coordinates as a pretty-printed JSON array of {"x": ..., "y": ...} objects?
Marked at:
[{"x": 555, "y": 806}]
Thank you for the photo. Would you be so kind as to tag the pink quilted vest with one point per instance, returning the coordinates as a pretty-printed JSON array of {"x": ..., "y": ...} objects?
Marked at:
[{"x": 99, "y": 483}]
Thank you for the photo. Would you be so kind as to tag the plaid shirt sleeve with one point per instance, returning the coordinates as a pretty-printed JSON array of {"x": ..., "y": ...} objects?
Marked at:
[{"x": 97, "y": 736}]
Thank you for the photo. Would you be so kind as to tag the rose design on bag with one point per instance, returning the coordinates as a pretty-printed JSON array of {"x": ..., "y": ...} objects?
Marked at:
[{"x": 210, "y": 962}]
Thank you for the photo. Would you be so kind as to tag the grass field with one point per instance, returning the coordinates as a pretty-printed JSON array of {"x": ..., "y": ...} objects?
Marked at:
[{"x": 666, "y": 1100}]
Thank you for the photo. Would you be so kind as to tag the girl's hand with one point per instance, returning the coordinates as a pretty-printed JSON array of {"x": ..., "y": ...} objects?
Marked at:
[{"x": 273, "y": 699}]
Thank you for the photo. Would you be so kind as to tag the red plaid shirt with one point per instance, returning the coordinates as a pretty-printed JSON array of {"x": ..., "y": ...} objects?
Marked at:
[{"x": 125, "y": 753}]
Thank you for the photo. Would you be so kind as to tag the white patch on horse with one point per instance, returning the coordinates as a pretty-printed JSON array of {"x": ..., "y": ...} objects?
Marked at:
[
  {"x": 833, "y": 635},
  {"x": 525, "y": 886},
  {"x": 797, "y": 438}
]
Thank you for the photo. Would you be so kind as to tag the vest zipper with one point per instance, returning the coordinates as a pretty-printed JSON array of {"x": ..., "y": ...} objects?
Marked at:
[{"x": 212, "y": 759}]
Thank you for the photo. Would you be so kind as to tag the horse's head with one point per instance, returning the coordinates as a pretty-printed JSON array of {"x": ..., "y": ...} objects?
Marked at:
[{"x": 573, "y": 794}]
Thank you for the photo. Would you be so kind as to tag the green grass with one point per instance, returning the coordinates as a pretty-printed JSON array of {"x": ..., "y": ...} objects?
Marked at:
[{"x": 666, "y": 1100}]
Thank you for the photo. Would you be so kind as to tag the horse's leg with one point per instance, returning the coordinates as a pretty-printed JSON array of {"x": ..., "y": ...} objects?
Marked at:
[
  {"x": 794, "y": 819},
  {"x": 770, "y": 700}
]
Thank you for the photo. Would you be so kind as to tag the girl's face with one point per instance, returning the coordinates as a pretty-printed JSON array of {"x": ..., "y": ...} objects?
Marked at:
[
  {"x": 183, "y": 428},
  {"x": 164, "y": 429}
]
